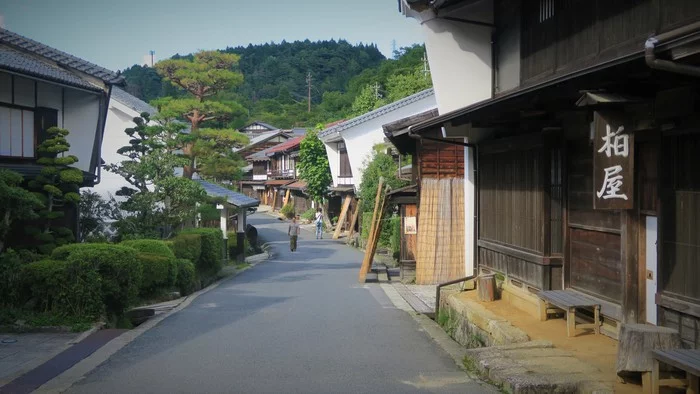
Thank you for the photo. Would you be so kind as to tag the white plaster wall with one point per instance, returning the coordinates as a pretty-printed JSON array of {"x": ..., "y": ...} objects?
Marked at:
[
  {"x": 361, "y": 139},
  {"x": 333, "y": 159},
  {"x": 50, "y": 96},
  {"x": 119, "y": 117},
  {"x": 81, "y": 114},
  {"x": 460, "y": 62}
]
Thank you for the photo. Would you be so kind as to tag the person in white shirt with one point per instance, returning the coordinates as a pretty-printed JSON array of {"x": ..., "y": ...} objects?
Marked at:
[{"x": 319, "y": 224}]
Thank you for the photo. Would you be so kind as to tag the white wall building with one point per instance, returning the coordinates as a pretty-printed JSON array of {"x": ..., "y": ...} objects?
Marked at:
[
  {"x": 349, "y": 144},
  {"x": 458, "y": 41},
  {"x": 123, "y": 108}
]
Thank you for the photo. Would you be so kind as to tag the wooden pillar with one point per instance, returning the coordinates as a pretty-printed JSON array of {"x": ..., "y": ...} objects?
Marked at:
[
  {"x": 630, "y": 265},
  {"x": 223, "y": 224},
  {"x": 240, "y": 232}
]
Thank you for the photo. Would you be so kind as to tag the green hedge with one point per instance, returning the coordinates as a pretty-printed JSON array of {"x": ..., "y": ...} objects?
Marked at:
[
  {"x": 159, "y": 272},
  {"x": 119, "y": 268},
  {"x": 186, "y": 281},
  {"x": 309, "y": 215},
  {"x": 233, "y": 244},
  {"x": 10, "y": 278},
  {"x": 210, "y": 259},
  {"x": 391, "y": 230},
  {"x": 188, "y": 246},
  {"x": 153, "y": 246},
  {"x": 68, "y": 288},
  {"x": 288, "y": 211}
]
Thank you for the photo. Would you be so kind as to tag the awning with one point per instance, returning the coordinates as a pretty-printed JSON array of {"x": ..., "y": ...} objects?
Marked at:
[
  {"x": 299, "y": 185},
  {"x": 404, "y": 195},
  {"x": 234, "y": 198},
  {"x": 278, "y": 182},
  {"x": 342, "y": 189},
  {"x": 397, "y": 132},
  {"x": 600, "y": 98}
]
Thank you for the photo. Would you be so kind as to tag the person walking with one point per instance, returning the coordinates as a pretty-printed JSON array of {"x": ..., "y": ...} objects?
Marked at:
[
  {"x": 319, "y": 224},
  {"x": 293, "y": 233}
]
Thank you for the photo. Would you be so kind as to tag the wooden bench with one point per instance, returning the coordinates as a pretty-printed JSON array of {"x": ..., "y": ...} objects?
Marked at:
[
  {"x": 554, "y": 300},
  {"x": 683, "y": 359}
]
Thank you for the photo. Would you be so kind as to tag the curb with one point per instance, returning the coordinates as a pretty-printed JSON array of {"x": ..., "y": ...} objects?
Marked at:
[{"x": 76, "y": 373}]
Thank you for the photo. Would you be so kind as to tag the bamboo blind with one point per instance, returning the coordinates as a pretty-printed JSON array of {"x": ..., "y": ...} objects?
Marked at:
[{"x": 440, "y": 250}]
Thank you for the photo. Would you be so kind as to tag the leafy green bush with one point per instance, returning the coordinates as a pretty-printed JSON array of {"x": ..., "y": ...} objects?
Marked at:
[
  {"x": 233, "y": 244},
  {"x": 119, "y": 269},
  {"x": 309, "y": 215},
  {"x": 288, "y": 211},
  {"x": 210, "y": 259},
  {"x": 10, "y": 278},
  {"x": 67, "y": 288},
  {"x": 387, "y": 229},
  {"x": 185, "y": 276},
  {"x": 158, "y": 272},
  {"x": 188, "y": 246},
  {"x": 366, "y": 224},
  {"x": 170, "y": 245},
  {"x": 153, "y": 246}
]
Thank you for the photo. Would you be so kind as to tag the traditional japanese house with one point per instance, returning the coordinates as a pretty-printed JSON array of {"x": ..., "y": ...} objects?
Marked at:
[
  {"x": 586, "y": 171},
  {"x": 255, "y": 175},
  {"x": 349, "y": 144}
]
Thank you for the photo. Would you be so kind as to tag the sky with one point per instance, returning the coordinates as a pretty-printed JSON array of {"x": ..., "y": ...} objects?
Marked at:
[{"x": 119, "y": 33}]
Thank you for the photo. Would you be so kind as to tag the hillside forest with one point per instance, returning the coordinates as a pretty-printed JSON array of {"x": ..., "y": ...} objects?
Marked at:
[{"x": 346, "y": 80}]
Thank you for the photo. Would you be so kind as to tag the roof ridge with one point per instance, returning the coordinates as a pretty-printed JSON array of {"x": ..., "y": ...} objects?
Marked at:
[{"x": 63, "y": 58}]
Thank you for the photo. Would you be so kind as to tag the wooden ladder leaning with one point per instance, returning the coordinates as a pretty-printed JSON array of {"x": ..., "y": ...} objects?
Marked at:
[{"x": 374, "y": 230}]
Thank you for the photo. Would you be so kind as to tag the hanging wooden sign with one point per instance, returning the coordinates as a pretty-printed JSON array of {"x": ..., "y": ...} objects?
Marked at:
[{"x": 613, "y": 162}]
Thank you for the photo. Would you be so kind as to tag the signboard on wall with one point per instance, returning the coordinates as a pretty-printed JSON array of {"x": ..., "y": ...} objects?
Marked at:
[
  {"x": 409, "y": 225},
  {"x": 613, "y": 162}
]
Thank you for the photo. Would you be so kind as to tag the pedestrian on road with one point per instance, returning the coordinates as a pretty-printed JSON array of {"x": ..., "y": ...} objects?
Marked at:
[
  {"x": 293, "y": 233},
  {"x": 319, "y": 224}
]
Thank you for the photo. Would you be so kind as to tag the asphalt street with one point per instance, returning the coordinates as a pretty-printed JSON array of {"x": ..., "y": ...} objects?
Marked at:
[{"x": 298, "y": 323}]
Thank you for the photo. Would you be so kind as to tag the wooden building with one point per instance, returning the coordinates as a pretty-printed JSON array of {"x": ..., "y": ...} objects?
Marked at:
[
  {"x": 586, "y": 168},
  {"x": 434, "y": 205}
]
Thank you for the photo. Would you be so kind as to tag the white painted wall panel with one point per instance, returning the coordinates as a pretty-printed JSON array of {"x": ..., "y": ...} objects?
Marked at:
[
  {"x": 16, "y": 132},
  {"x": 28, "y": 133},
  {"x": 5, "y": 131},
  {"x": 5, "y": 88},
  {"x": 333, "y": 160},
  {"x": 80, "y": 118},
  {"x": 25, "y": 92},
  {"x": 50, "y": 96}
]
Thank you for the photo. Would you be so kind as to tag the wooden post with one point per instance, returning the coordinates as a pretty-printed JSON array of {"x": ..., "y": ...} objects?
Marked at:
[
  {"x": 355, "y": 214},
  {"x": 274, "y": 199},
  {"x": 341, "y": 218},
  {"x": 367, "y": 261},
  {"x": 286, "y": 197},
  {"x": 486, "y": 288},
  {"x": 630, "y": 269},
  {"x": 377, "y": 229}
]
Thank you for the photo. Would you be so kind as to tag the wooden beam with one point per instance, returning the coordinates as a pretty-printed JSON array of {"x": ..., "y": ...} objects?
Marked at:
[
  {"x": 286, "y": 197},
  {"x": 630, "y": 269},
  {"x": 341, "y": 218},
  {"x": 355, "y": 214},
  {"x": 274, "y": 199},
  {"x": 367, "y": 261},
  {"x": 378, "y": 228}
]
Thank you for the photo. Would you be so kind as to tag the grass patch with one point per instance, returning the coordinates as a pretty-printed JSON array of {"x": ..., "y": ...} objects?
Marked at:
[
  {"x": 446, "y": 321},
  {"x": 19, "y": 318},
  {"x": 242, "y": 266}
]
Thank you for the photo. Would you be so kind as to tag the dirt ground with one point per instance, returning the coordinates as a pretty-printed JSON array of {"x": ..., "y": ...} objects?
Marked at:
[{"x": 598, "y": 350}]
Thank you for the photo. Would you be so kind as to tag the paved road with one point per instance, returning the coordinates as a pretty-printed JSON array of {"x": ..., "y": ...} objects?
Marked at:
[{"x": 299, "y": 323}]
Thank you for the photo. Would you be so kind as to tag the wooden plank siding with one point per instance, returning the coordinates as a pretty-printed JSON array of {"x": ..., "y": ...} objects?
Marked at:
[
  {"x": 581, "y": 33},
  {"x": 438, "y": 160},
  {"x": 594, "y": 259}
]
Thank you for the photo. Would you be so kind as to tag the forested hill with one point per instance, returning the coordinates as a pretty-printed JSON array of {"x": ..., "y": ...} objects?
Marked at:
[{"x": 275, "y": 80}]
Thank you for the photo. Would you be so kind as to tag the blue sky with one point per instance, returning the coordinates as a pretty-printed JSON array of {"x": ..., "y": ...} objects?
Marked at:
[{"x": 119, "y": 33}]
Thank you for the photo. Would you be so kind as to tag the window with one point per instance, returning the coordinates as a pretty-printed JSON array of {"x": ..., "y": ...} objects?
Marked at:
[
  {"x": 345, "y": 169},
  {"x": 16, "y": 132},
  {"x": 546, "y": 10}
]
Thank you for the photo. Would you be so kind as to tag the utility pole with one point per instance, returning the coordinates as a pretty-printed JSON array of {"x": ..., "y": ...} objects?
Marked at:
[
  {"x": 393, "y": 49},
  {"x": 152, "y": 54},
  {"x": 308, "y": 82},
  {"x": 376, "y": 90}
]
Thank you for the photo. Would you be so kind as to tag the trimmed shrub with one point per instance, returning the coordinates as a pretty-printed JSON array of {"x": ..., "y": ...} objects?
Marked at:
[
  {"x": 153, "y": 246},
  {"x": 62, "y": 252},
  {"x": 10, "y": 278},
  {"x": 211, "y": 256},
  {"x": 309, "y": 215},
  {"x": 188, "y": 246},
  {"x": 170, "y": 245},
  {"x": 120, "y": 271},
  {"x": 70, "y": 288},
  {"x": 158, "y": 272},
  {"x": 288, "y": 211},
  {"x": 185, "y": 276}
]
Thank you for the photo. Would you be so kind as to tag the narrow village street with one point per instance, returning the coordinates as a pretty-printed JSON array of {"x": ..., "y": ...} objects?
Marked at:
[{"x": 298, "y": 323}]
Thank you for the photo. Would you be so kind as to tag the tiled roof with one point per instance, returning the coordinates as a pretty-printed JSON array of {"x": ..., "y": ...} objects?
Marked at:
[
  {"x": 61, "y": 58},
  {"x": 286, "y": 145},
  {"x": 298, "y": 185},
  {"x": 131, "y": 101},
  {"x": 233, "y": 198},
  {"x": 260, "y": 156},
  {"x": 278, "y": 182},
  {"x": 377, "y": 113},
  {"x": 262, "y": 138},
  {"x": 265, "y": 125},
  {"x": 13, "y": 60}
]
